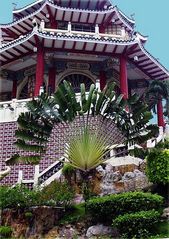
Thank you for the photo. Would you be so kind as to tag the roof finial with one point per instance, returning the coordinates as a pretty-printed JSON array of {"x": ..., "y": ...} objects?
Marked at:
[
  {"x": 14, "y": 5},
  {"x": 132, "y": 16}
]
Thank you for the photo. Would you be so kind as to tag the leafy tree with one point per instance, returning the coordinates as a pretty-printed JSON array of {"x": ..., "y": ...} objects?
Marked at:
[
  {"x": 166, "y": 112},
  {"x": 158, "y": 91}
]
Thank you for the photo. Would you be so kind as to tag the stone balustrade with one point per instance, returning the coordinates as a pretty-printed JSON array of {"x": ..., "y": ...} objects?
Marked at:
[{"x": 10, "y": 110}]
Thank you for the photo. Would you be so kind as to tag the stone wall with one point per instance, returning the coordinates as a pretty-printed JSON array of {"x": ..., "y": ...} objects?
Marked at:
[{"x": 55, "y": 148}]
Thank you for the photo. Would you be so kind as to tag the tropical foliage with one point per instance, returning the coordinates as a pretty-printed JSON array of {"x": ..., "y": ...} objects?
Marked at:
[
  {"x": 157, "y": 91},
  {"x": 86, "y": 150},
  {"x": 45, "y": 112},
  {"x": 158, "y": 166}
]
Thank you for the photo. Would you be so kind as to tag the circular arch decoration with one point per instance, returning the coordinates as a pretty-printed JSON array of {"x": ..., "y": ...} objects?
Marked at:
[
  {"x": 76, "y": 78},
  {"x": 22, "y": 89}
]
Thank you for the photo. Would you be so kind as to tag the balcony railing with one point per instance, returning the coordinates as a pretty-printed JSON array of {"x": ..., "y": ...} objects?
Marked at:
[
  {"x": 96, "y": 34},
  {"x": 10, "y": 110}
]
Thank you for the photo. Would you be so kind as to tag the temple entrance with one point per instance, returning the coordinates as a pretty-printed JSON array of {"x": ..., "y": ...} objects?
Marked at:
[{"x": 76, "y": 79}]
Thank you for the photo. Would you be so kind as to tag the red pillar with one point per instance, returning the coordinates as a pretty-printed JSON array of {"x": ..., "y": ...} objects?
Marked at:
[
  {"x": 123, "y": 77},
  {"x": 53, "y": 24},
  {"x": 14, "y": 89},
  {"x": 102, "y": 29},
  {"x": 51, "y": 81},
  {"x": 39, "y": 70},
  {"x": 160, "y": 113},
  {"x": 102, "y": 80}
]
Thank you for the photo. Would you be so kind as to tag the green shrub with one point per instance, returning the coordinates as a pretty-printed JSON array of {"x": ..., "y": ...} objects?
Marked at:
[
  {"x": 28, "y": 215},
  {"x": 74, "y": 214},
  {"x": 5, "y": 231},
  {"x": 137, "y": 225},
  {"x": 158, "y": 166},
  {"x": 18, "y": 197},
  {"x": 57, "y": 194},
  {"x": 108, "y": 207},
  {"x": 68, "y": 170}
]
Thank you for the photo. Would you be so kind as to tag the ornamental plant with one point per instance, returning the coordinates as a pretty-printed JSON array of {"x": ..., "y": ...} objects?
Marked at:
[
  {"x": 158, "y": 166},
  {"x": 35, "y": 126},
  {"x": 108, "y": 207},
  {"x": 5, "y": 232},
  {"x": 138, "y": 224}
]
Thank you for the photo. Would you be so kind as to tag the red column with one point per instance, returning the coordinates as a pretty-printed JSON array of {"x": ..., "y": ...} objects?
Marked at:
[
  {"x": 39, "y": 71},
  {"x": 160, "y": 113},
  {"x": 102, "y": 80},
  {"x": 14, "y": 89},
  {"x": 123, "y": 77},
  {"x": 102, "y": 29},
  {"x": 51, "y": 81},
  {"x": 53, "y": 24}
]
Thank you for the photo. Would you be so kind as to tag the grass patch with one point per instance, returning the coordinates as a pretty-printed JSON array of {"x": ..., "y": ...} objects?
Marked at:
[{"x": 161, "y": 230}]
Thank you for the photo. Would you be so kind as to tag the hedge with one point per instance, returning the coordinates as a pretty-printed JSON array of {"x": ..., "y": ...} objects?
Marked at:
[
  {"x": 137, "y": 225},
  {"x": 105, "y": 208},
  {"x": 157, "y": 168}
]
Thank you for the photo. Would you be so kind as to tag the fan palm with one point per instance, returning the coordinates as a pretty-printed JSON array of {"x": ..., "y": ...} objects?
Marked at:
[
  {"x": 86, "y": 150},
  {"x": 45, "y": 112}
]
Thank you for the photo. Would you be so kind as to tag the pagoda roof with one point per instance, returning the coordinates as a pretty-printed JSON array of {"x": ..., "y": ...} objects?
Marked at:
[
  {"x": 78, "y": 4},
  {"x": 46, "y": 8},
  {"x": 79, "y": 42}
]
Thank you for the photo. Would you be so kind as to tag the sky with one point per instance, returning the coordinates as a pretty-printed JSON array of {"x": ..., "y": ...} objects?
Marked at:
[{"x": 151, "y": 16}]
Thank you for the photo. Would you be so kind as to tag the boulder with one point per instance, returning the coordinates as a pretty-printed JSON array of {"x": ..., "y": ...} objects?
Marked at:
[
  {"x": 117, "y": 176},
  {"x": 100, "y": 230},
  {"x": 128, "y": 176},
  {"x": 165, "y": 214}
]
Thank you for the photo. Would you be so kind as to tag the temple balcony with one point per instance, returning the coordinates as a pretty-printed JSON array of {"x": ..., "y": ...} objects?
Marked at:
[{"x": 118, "y": 33}]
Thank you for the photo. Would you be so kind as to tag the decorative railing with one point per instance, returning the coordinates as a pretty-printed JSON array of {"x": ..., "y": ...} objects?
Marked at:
[
  {"x": 10, "y": 110},
  {"x": 44, "y": 178},
  {"x": 49, "y": 172},
  {"x": 96, "y": 34}
]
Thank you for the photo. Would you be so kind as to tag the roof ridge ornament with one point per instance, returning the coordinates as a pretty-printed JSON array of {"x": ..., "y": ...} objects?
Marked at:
[
  {"x": 14, "y": 5},
  {"x": 35, "y": 25},
  {"x": 140, "y": 37}
]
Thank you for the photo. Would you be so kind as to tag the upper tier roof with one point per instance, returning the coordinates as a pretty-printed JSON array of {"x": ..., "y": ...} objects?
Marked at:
[
  {"x": 95, "y": 5},
  {"x": 23, "y": 25},
  {"x": 57, "y": 40},
  {"x": 48, "y": 9},
  {"x": 79, "y": 4}
]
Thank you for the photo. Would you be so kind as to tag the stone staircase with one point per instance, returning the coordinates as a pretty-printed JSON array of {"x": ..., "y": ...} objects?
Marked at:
[{"x": 53, "y": 172}]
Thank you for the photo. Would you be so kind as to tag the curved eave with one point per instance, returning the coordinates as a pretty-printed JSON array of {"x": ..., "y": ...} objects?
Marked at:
[
  {"x": 145, "y": 62},
  {"x": 130, "y": 21},
  {"x": 63, "y": 42},
  {"x": 28, "y": 7},
  {"x": 123, "y": 20},
  {"x": 26, "y": 45},
  {"x": 142, "y": 38},
  {"x": 24, "y": 25},
  {"x": 69, "y": 3}
]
